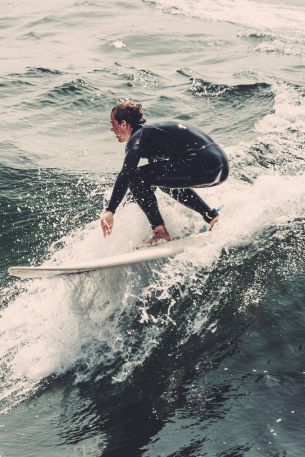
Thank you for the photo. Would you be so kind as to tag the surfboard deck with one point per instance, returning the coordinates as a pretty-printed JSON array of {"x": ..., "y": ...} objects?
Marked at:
[{"x": 148, "y": 254}]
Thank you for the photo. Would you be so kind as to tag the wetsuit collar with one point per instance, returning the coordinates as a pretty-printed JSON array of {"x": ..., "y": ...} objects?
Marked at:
[{"x": 137, "y": 127}]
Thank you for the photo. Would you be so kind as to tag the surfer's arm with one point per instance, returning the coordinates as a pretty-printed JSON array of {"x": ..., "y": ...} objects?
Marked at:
[{"x": 130, "y": 164}]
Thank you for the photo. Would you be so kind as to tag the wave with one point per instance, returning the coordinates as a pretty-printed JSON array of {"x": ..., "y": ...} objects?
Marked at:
[
  {"x": 13, "y": 81},
  {"x": 36, "y": 71},
  {"x": 10, "y": 153},
  {"x": 289, "y": 111},
  {"x": 105, "y": 325},
  {"x": 257, "y": 35},
  {"x": 211, "y": 88},
  {"x": 275, "y": 43},
  {"x": 279, "y": 145},
  {"x": 33, "y": 211},
  {"x": 241, "y": 12},
  {"x": 78, "y": 92},
  {"x": 143, "y": 78},
  {"x": 231, "y": 108},
  {"x": 202, "y": 88},
  {"x": 272, "y": 24},
  {"x": 282, "y": 46}
]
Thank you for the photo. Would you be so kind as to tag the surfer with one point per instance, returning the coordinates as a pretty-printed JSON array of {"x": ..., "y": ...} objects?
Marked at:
[{"x": 180, "y": 157}]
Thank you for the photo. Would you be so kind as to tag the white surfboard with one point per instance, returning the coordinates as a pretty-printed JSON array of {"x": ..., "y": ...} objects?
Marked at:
[
  {"x": 148, "y": 254},
  {"x": 168, "y": 249}
]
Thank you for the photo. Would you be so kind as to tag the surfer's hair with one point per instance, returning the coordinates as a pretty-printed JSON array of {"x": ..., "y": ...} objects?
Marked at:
[{"x": 129, "y": 111}]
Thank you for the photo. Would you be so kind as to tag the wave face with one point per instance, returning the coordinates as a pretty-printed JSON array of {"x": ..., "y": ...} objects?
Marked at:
[
  {"x": 200, "y": 354},
  {"x": 249, "y": 13},
  {"x": 276, "y": 28}
]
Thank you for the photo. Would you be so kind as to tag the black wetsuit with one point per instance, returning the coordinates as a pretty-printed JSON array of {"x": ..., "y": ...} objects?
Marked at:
[{"x": 180, "y": 157}]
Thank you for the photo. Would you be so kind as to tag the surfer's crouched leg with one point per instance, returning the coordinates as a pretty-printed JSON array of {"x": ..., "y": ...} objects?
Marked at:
[
  {"x": 190, "y": 199},
  {"x": 206, "y": 167},
  {"x": 144, "y": 194}
]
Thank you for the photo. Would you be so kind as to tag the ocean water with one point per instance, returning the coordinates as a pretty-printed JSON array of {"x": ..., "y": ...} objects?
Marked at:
[{"x": 199, "y": 355}]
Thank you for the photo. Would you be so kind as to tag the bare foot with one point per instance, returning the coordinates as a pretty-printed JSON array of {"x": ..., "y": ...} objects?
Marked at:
[
  {"x": 159, "y": 233},
  {"x": 213, "y": 222}
]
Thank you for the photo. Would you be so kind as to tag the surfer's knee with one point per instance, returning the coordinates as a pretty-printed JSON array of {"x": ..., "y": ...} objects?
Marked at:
[{"x": 225, "y": 172}]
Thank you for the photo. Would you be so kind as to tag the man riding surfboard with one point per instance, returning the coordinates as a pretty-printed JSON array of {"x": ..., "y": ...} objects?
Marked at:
[{"x": 180, "y": 157}]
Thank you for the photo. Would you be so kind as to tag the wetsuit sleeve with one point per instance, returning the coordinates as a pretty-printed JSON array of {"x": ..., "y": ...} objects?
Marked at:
[{"x": 130, "y": 164}]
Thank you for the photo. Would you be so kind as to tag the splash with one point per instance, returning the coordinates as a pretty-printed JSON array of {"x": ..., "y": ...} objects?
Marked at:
[
  {"x": 289, "y": 111},
  {"x": 279, "y": 145},
  {"x": 89, "y": 320},
  {"x": 107, "y": 319}
]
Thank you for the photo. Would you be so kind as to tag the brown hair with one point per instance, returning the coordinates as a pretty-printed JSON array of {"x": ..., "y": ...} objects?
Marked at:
[{"x": 129, "y": 111}]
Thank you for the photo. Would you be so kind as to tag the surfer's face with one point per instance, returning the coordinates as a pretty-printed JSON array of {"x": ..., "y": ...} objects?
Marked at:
[{"x": 122, "y": 131}]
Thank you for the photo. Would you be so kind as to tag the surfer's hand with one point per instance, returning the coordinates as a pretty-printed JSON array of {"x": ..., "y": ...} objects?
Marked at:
[
  {"x": 107, "y": 222},
  {"x": 213, "y": 222}
]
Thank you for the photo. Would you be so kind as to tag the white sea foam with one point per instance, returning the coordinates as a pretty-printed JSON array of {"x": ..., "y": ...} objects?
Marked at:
[
  {"x": 283, "y": 45},
  {"x": 242, "y": 12},
  {"x": 289, "y": 111},
  {"x": 119, "y": 44}
]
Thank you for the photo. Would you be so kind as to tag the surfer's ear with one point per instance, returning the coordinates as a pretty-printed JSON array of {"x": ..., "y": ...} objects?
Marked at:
[{"x": 125, "y": 125}]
